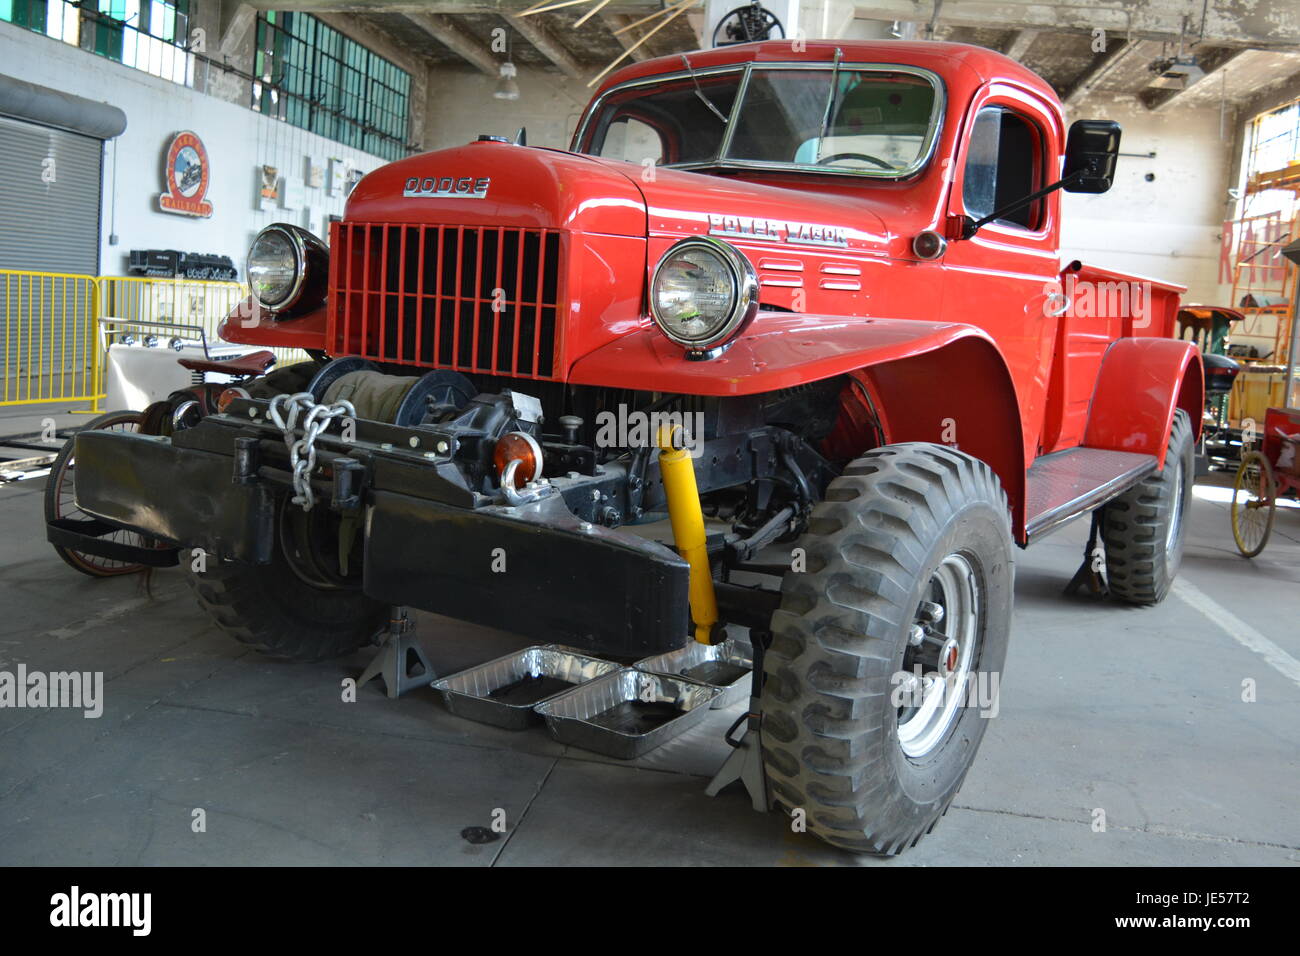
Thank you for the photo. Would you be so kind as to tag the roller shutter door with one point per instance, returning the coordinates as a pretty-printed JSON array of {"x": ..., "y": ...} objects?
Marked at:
[{"x": 46, "y": 226}]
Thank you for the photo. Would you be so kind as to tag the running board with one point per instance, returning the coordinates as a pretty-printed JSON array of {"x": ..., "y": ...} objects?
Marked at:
[{"x": 1070, "y": 483}]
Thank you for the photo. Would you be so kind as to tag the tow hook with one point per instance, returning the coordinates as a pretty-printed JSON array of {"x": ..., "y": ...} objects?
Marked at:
[{"x": 531, "y": 491}]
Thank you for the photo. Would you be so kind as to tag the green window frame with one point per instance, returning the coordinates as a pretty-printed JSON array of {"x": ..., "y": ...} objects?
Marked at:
[
  {"x": 312, "y": 76},
  {"x": 109, "y": 28},
  {"x": 32, "y": 14}
]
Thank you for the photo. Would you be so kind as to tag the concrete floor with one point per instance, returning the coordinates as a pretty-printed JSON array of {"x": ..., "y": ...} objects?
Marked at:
[{"x": 1136, "y": 712}]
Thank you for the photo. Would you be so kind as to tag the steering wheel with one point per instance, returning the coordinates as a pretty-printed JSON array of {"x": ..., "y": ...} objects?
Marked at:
[{"x": 863, "y": 156}]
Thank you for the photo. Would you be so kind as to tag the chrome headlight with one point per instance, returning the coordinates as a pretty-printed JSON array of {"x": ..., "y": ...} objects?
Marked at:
[
  {"x": 287, "y": 267},
  {"x": 702, "y": 294}
]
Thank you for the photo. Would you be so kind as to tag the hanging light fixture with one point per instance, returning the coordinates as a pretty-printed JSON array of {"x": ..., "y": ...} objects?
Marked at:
[{"x": 507, "y": 88}]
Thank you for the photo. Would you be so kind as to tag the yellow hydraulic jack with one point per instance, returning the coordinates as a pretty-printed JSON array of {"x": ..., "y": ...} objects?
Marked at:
[
  {"x": 745, "y": 764},
  {"x": 678, "y": 472}
]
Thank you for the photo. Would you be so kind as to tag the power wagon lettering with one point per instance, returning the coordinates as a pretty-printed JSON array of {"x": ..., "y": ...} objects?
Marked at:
[{"x": 775, "y": 230}]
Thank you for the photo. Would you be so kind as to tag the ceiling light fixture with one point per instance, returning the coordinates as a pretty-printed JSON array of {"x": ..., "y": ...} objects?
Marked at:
[
  {"x": 1176, "y": 73},
  {"x": 507, "y": 88}
]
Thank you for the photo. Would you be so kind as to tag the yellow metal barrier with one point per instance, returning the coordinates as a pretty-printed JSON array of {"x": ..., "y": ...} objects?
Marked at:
[
  {"x": 50, "y": 349},
  {"x": 201, "y": 303},
  {"x": 53, "y": 347}
]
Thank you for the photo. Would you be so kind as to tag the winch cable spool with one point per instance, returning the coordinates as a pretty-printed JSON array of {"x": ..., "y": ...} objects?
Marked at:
[
  {"x": 375, "y": 391},
  {"x": 332, "y": 371},
  {"x": 374, "y": 395}
]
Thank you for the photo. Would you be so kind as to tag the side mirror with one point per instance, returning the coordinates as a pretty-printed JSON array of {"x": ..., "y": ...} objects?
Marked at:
[{"x": 1091, "y": 150}]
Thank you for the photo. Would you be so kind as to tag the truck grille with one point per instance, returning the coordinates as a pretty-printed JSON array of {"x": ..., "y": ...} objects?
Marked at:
[{"x": 471, "y": 298}]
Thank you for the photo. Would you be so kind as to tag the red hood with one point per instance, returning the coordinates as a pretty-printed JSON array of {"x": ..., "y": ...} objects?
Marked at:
[
  {"x": 688, "y": 203},
  {"x": 500, "y": 184},
  {"x": 492, "y": 183}
]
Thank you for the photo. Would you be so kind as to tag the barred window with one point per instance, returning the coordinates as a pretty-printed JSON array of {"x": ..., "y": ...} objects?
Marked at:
[
  {"x": 150, "y": 35},
  {"x": 310, "y": 75},
  {"x": 32, "y": 14}
]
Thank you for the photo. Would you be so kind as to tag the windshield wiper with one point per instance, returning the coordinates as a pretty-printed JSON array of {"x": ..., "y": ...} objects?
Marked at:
[
  {"x": 831, "y": 97},
  {"x": 700, "y": 93}
]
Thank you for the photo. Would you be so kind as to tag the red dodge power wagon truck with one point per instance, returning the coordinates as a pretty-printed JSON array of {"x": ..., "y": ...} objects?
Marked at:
[{"x": 829, "y": 272}]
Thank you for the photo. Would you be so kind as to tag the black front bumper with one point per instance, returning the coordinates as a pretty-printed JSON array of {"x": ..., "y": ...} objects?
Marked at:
[{"x": 536, "y": 569}]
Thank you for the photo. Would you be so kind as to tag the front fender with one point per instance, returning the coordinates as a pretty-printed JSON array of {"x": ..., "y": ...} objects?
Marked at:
[
  {"x": 250, "y": 324},
  {"x": 779, "y": 350},
  {"x": 1142, "y": 382},
  {"x": 938, "y": 382}
]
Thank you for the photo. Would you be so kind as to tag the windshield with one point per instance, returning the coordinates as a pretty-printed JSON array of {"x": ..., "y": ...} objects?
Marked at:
[{"x": 874, "y": 121}]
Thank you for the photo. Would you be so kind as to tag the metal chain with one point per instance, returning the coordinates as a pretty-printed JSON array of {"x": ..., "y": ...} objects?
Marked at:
[{"x": 302, "y": 449}]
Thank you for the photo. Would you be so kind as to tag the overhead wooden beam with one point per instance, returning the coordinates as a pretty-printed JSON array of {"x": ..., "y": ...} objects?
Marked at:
[
  {"x": 545, "y": 43},
  {"x": 438, "y": 7},
  {"x": 1102, "y": 66},
  {"x": 662, "y": 19},
  {"x": 1260, "y": 24},
  {"x": 627, "y": 40},
  {"x": 1020, "y": 44},
  {"x": 1211, "y": 61},
  {"x": 458, "y": 40}
]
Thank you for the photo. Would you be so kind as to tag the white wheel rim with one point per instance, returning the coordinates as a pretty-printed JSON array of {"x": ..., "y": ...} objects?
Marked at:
[
  {"x": 1176, "y": 516},
  {"x": 955, "y": 586}
]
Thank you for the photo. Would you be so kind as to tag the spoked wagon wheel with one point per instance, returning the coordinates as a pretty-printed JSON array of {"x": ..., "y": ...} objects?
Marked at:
[
  {"x": 60, "y": 502},
  {"x": 1254, "y": 501}
]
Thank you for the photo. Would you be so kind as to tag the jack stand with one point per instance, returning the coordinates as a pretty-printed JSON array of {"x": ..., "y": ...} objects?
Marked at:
[
  {"x": 746, "y": 761},
  {"x": 1091, "y": 572},
  {"x": 400, "y": 661}
]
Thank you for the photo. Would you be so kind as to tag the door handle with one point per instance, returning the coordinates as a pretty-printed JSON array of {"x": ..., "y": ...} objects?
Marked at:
[{"x": 1057, "y": 303}]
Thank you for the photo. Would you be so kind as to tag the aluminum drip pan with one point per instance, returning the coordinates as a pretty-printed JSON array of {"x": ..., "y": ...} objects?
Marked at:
[
  {"x": 727, "y": 666},
  {"x": 627, "y": 713},
  {"x": 503, "y": 692}
]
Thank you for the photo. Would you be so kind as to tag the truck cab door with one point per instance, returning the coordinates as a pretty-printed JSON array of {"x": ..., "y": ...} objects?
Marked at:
[{"x": 1004, "y": 279}]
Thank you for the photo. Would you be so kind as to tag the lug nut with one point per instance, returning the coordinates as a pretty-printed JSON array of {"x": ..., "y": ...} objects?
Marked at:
[
  {"x": 909, "y": 685},
  {"x": 930, "y": 613}
]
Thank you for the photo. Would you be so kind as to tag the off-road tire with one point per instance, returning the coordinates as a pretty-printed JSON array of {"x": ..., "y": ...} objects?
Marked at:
[
  {"x": 830, "y": 721},
  {"x": 269, "y": 608},
  {"x": 1140, "y": 568}
]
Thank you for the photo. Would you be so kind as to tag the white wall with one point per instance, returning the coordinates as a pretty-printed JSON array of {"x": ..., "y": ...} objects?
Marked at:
[
  {"x": 1168, "y": 228},
  {"x": 461, "y": 107},
  {"x": 238, "y": 140}
]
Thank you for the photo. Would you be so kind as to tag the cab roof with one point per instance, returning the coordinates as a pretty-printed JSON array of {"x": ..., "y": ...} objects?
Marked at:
[{"x": 942, "y": 58}]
